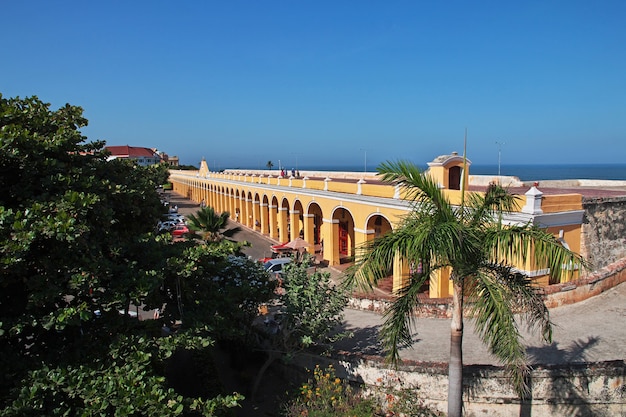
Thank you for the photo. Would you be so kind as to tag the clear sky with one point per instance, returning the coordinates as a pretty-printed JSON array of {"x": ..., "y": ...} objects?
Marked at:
[{"x": 330, "y": 82}]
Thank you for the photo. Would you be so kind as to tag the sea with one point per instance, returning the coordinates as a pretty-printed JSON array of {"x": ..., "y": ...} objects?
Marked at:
[{"x": 523, "y": 172}]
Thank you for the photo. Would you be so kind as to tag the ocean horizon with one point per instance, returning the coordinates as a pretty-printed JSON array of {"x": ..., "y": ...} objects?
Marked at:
[{"x": 527, "y": 172}]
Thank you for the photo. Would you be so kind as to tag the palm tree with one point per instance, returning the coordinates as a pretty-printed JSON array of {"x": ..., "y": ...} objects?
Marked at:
[
  {"x": 210, "y": 224},
  {"x": 478, "y": 249},
  {"x": 269, "y": 165}
]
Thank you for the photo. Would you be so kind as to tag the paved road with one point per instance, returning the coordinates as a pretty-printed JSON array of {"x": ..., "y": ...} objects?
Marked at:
[{"x": 589, "y": 331}]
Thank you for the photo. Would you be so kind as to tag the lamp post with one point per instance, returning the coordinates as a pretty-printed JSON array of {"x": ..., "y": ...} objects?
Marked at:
[{"x": 499, "y": 156}]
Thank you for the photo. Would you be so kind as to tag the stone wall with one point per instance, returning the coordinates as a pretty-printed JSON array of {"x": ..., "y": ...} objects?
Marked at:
[
  {"x": 603, "y": 234},
  {"x": 555, "y": 295},
  {"x": 596, "y": 389}
]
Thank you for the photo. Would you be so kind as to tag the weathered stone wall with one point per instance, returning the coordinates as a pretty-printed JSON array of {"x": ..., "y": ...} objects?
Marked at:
[
  {"x": 603, "y": 234},
  {"x": 596, "y": 389}
]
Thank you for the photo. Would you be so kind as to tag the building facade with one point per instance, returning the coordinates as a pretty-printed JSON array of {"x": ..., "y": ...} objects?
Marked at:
[
  {"x": 142, "y": 156},
  {"x": 337, "y": 212}
]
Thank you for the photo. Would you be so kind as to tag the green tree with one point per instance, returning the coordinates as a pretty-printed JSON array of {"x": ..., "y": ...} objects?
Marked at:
[
  {"x": 159, "y": 173},
  {"x": 209, "y": 286},
  {"x": 78, "y": 251},
  {"x": 269, "y": 165},
  {"x": 310, "y": 309},
  {"x": 210, "y": 224},
  {"x": 479, "y": 249}
]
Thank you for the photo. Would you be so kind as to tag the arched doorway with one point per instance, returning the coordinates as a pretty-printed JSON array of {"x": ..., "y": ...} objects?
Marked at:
[
  {"x": 312, "y": 222},
  {"x": 454, "y": 178},
  {"x": 297, "y": 220},
  {"x": 284, "y": 225},
  {"x": 379, "y": 225},
  {"x": 343, "y": 231}
]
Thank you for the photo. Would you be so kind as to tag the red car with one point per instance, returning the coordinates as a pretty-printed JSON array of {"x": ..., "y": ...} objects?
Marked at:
[{"x": 179, "y": 230}]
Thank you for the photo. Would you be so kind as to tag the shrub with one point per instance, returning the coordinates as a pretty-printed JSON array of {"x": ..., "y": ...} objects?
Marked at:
[{"x": 325, "y": 395}]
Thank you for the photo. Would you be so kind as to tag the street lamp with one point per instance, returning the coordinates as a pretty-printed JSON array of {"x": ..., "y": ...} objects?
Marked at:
[{"x": 499, "y": 156}]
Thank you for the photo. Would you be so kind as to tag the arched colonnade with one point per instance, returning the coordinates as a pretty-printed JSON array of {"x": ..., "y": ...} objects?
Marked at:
[{"x": 333, "y": 224}]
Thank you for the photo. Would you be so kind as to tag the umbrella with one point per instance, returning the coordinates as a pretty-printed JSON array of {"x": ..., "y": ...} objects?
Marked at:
[{"x": 297, "y": 244}]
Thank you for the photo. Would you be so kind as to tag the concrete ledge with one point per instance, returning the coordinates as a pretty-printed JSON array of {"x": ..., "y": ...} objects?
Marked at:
[
  {"x": 587, "y": 287},
  {"x": 589, "y": 389}
]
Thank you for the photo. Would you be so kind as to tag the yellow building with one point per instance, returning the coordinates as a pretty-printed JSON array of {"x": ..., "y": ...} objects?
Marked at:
[{"x": 336, "y": 212}]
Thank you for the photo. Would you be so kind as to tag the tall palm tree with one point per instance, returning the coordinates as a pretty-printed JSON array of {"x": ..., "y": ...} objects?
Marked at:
[
  {"x": 269, "y": 164},
  {"x": 210, "y": 224},
  {"x": 478, "y": 249}
]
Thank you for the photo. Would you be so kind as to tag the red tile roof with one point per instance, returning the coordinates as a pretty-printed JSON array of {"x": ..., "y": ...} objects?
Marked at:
[{"x": 126, "y": 151}]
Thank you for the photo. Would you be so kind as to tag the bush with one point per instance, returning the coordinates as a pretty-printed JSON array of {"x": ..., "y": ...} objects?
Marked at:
[{"x": 325, "y": 395}]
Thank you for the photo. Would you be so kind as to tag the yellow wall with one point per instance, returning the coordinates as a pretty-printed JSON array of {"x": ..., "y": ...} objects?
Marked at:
[{"x": 273, "y": 208}]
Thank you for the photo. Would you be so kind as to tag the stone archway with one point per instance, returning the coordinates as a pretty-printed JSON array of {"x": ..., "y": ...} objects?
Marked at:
[
  {"x": 313, "y": 220},
  {"x": 340, "y": 229},
  {"x": 236, "y": 213},
  {"x": 284, "y": 226},
  {"x": 296, "y": 216},
  {"x": 273, "y": 218},
  {"x": 265, "y": 215},
  {"x": 257, "y": 213},
  {"x": 249, "y": 218},
  {"x": 377, "y": 226}
]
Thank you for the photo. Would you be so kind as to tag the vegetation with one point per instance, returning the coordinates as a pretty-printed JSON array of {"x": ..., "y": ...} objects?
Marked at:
[
  {"x": 211, "y": 225},
  {"x": 269, "y": 165},
  {"x": 79, "y": 256},
  {"x": 326, "y": 395},
  {"x": 187, "y": 167},
  {"x": 478, "y": 248},
  {"x": 309, "y": 310}
]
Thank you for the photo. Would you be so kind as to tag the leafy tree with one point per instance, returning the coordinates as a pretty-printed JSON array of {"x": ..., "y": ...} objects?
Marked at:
[
  {"x": 160, "y": 173},
  {"x": 479, "y": 249},
  {"x": 210, "y": 224},
  {"x": 310, "y": 308},
  {"x": 208, "y": 286},
  {"x": 269, "y": 165},
  {"x": 77, "y": 252}
]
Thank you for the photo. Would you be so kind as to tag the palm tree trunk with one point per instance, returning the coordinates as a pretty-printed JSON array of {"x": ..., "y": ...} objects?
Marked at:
[{"x": 455, "y": 367}]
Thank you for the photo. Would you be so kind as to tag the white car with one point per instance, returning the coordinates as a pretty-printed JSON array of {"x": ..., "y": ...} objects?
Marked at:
[
  {"x": 166, "y": 226},
  {"x": 174, "y": 217},
  {"x": 275, "y": 266}
]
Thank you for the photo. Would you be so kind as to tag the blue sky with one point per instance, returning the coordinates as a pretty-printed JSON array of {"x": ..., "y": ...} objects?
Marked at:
[{"x": 330, "y": 82}]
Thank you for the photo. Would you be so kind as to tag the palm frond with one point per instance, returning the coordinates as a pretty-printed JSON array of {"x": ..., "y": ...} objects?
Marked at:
[
  {"x": 497, "y": 295},
  {"x": 484, "y": 208},
  {"x": 417, "y": 238},
  {"x": 232, "y": 231},
  {"x": 516, "y": 244},
  {"x": 207, "y": 222},
  {"x": 396, "y": 330},
  {"x": 420, "y": 187}
]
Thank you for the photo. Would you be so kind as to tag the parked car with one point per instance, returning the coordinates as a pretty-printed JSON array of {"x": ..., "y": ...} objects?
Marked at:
[
  {"x": 179, "y": 230},
  {"x": 165, "y": 226},
  {"x": 179, "y": 218},
  {"x": 275, "y": 266}
]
